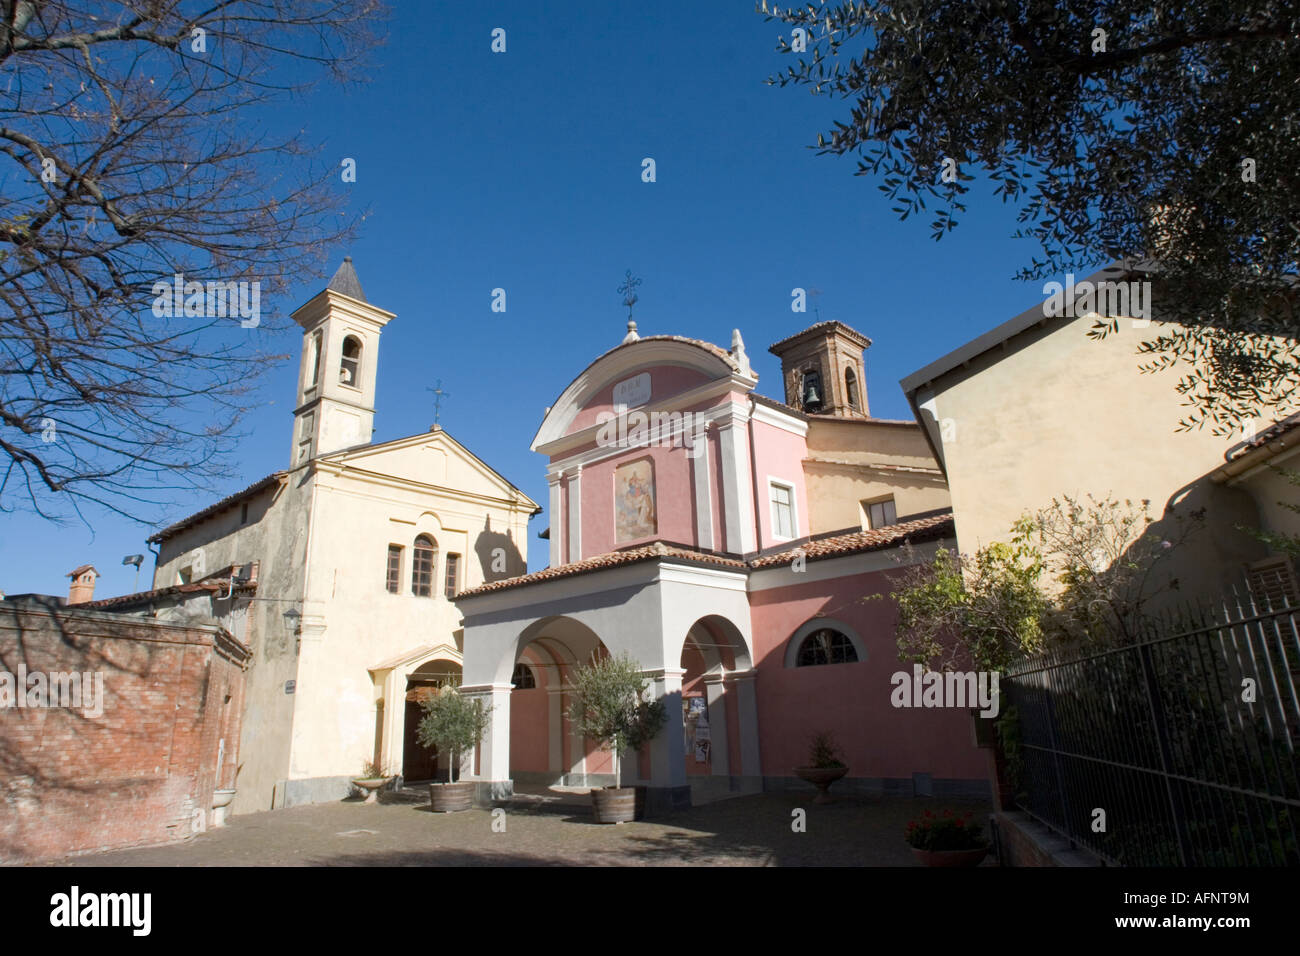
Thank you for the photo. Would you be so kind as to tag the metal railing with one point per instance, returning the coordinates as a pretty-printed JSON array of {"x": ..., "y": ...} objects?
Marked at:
[{"x": 1176, "y": 750}]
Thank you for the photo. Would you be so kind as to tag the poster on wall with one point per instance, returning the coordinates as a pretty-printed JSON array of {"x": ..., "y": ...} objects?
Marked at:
[
  {"x": 634, "y": 500},
  {"x": 695, "y": 710}
]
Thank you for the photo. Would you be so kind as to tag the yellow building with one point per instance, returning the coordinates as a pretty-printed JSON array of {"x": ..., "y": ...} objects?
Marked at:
[{"x": 1035, "y": 409}]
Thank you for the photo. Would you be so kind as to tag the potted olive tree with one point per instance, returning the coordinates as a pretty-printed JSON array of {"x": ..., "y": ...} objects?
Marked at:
[
  {"x": 610, "y": 707},
  {"x": 824, "y": 765},
  {"x": 453, "y": 724}
]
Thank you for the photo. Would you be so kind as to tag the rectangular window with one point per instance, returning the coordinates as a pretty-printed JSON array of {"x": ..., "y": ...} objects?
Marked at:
[
  {"x": 453, "y": 570},
  {"x": 783, "y": 525},
  {"x": 881, "y": 514},
  {"x": 394, "y": 568},
  {"x": 243, "y": 513}
]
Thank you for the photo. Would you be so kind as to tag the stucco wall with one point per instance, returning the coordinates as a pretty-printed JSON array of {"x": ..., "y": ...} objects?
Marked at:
[
  {"x": 840, "y": 475},
  {"x": 852, "y": 701},
  {"x": 276, "y": 538},
  {"x": 1057, "y": 413}
]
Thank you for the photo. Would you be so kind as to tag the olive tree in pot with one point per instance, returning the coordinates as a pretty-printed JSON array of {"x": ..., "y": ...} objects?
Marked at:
[
  {"x": 610, "y": 707},
  {"x": 453, "y": 724}
]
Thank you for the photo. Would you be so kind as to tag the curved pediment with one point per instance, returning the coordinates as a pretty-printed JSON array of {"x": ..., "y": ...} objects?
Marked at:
[{"x": 671, "y": 363}]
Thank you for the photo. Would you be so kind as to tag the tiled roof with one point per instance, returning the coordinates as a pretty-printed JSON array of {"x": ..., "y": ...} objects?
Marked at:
[
  {"x": 779, "y": 406},
  {"x": 826, "y": 326},
  {"x": 222, "y": 505},
  {"x": 856, "y": 542},
  {"x": 878, "y": 539},
  {"x": 144, "y": 597},
  {"x": 612, "y": 559},
  {"x": 1271, "y": 434},
  {"x": 698, "y": 343}
]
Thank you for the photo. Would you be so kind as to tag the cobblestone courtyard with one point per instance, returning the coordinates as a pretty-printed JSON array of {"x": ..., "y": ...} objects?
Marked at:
[{"x": 550, "y": 830}]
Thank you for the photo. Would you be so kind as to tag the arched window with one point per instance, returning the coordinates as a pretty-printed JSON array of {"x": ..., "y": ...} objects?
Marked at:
[
  {"x": 426, "y": 553},
  {"x": 350, "y": 367},
  {"x": 523, "y": 678},
  {"x": 826, "y": 646},
  {"x": 851, "y": 387},
  {"x": 314, "y": 375}
]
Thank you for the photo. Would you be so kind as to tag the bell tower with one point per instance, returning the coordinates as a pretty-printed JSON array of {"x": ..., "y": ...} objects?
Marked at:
[
  {"x": 340, "y": 356},
  {"x": 822, "y": 370}
]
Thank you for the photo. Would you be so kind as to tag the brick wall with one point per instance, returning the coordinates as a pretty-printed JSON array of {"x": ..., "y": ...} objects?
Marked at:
[{"x": 141, "y": 772}]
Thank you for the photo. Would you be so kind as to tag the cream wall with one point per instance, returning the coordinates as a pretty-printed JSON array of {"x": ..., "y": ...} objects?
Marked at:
[
  {"x": 322, "y": 549},
  {"x": 854, "y": 461},
  {"x": 352, "y": 624},
  {"x": 1056, "y": 413},
  {"x": 1270, "y": 490},
  {"x": 276, "y": 538}
]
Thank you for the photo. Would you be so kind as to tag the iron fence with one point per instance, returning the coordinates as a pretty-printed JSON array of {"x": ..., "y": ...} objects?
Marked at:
[{"x": 1176, "y": 750}]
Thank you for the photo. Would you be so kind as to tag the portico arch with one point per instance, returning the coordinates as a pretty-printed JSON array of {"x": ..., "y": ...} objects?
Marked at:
[{"x": 718, "y": 686}]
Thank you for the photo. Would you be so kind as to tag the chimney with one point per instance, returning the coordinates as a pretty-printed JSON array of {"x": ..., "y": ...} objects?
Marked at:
[{"x": 82, "y": 588}]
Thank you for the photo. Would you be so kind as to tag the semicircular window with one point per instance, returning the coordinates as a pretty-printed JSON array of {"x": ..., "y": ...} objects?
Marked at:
[
  {"x": 826, "y": 646},
  {"x": 523, "y": 677}
]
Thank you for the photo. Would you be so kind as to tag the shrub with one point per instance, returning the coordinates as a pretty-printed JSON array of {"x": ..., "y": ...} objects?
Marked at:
[{"x": 945, "y": 832}]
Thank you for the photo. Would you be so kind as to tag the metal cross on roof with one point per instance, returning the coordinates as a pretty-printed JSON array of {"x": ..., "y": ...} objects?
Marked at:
[
  {"x": 628, "y": 288},
  {"x": 438, "y": 396}
]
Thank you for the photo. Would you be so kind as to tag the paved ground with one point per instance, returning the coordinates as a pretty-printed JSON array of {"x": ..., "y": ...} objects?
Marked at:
[{"x": 554, "y": 829}]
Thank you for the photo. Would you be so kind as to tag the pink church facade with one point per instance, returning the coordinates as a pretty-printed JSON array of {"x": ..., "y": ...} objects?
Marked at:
[{"x": 682, "y": 533}]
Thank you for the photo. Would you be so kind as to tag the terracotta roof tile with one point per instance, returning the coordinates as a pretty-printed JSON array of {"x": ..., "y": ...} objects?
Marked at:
[
  {"x": 612, "y": 559},
  {"x": 222, "y": 505},
  {"x": 855, "y": 542},
  {"x": 826, "y": 326},
  {"x": 878, "y": 539},
  {"x": 1272, "y": 433}
]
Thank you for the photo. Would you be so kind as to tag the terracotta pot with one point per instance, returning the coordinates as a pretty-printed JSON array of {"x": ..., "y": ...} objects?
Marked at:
[
  {"x": 372, "y": 786},
  {"x": 614, "y": 804},
  {"x": 951, "y": 857},
  {"x": 451, "y": 797},
  {"x": 821, "y": 778}
]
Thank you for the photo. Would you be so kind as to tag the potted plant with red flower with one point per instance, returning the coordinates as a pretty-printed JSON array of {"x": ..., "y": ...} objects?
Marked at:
[{"x": 947, "y": 839}]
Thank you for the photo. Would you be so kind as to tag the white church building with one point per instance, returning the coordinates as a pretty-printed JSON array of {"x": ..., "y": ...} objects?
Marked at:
[{"x": 356, "y": 550}]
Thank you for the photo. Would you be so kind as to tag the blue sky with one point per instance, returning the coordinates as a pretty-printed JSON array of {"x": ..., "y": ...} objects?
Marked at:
[{"x": 522, "y": 171}]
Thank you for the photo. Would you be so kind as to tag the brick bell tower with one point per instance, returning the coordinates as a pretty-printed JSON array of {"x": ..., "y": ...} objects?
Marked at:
[{"x": 823, "y": 371}]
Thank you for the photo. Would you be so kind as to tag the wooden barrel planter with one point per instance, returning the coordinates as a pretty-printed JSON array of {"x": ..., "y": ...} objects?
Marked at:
[
  {"x": 614, "y": 804},
  {"x": 451, "y": 797}
]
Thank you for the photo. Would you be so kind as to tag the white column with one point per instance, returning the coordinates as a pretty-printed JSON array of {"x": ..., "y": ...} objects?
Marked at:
[
  {"x": 577, "y": 744},
  {"x": 555, "y": 727},
  {"x": 703, "y": 496},
  {"x": 575, "y": 513},
  {"x": 714, "y": 693},
  {"x": 668, "y": 748},
  {"x": 738, "y": 503},
  {"x": 494, "y": 752},
  {"x": 742, "y": 684},
  {"x": 557, "y": 529}
]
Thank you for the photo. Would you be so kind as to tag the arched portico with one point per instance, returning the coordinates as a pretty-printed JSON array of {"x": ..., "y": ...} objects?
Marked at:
[
  {"x": 719, "y": 687},
  {"x": 646, "y": 610}
]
